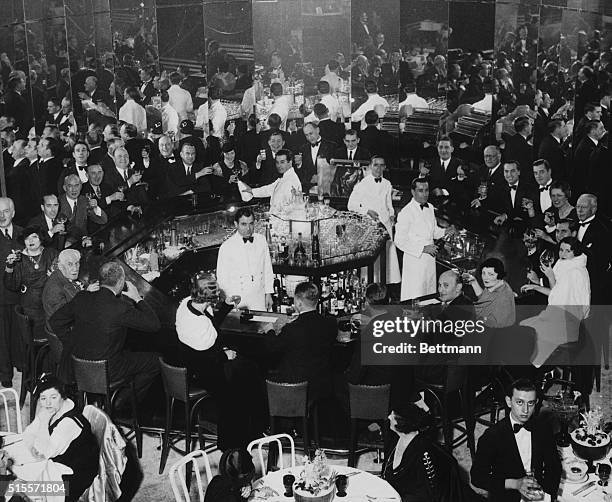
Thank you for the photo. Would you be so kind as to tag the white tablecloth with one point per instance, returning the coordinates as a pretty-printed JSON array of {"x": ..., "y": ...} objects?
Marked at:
[
  {"x": 359, "y": 485},
  {"x": 595, "y": 493}
]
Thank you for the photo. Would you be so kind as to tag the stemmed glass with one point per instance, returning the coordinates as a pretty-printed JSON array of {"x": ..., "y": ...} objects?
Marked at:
[
  {"x": 603, "y": 471},
  {"x": 547, "y": 258}
]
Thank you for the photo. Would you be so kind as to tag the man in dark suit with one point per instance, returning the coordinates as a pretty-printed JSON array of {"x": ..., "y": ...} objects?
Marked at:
[
  {"x": 94, "y": 140},
  {"x": 147, "y": 90},
  {"x": 519, "y": 149},
  {"x": 304, "y": 346},
  {"x": 517, "y": 445},
  {"x": 507, "y": 199},
  {"x": 17, "y": 183},
  {"x": 50, "y": 164},
  {"x": 135, "y": 144},
  {"x": 265, "y": 171},
  {"x": 77, "y": 165},
  {"x": 551, "y": 149},
  {"x": 492, "y": 172},
  {"x": 187, "y": 174},
  {"x": 249, "y": 144},
  {"x": 54, "y": 109},
  {"x": 46, "y": 221},
  {"x": 16, "y": 106},
  {"x": 374, "y": 140},
  {"x": 274, "y": 124},
  {"x": 314, "y": 149},
  {"x": 592, "y": 111},
  {"x": 329, "y": 130},
  {"x": 78, "y": 210},
  {"x": 11, "y": 351},
  {"x": 585, "y": 156},
  {"x": 595, "y": 235},
  {"x": 100, "y": 323},
  {"x": 350, "y": 151},
  {"x": 98, "y": 189},
  {"x": 443, "y": 166},
  {"x": 395, "y": 74}
]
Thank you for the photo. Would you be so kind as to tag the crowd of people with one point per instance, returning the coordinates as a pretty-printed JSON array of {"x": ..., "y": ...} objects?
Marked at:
[{"x": 109, "y": 141}]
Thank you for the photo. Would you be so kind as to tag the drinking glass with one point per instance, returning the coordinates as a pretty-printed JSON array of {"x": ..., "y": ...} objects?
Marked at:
[
  {"x": 547, "y": 258},
  {"x": 603, "y": 471},
  {"x": 341, "y": 485},
  {"x": 288, "y": 480}
]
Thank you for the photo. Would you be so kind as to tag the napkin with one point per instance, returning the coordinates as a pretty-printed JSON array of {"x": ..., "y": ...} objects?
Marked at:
[{"x": 246, "y": 196}]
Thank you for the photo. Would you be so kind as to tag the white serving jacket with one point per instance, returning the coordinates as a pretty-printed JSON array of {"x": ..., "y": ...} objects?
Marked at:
[{"x": 280, "y": 191}]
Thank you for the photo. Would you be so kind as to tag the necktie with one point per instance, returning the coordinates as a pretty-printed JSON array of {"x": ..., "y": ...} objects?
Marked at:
[
  {"x": 125, "y": 176},
  {"x": 423, "y": 206},
  {"x": 544, "y": 188},
  {"x": 351, "y": 155},
  {"x": 247, "y": 239},
  {"x": 188, "y": 170},
  {"x": 377, "y": 180},
  {"x": 513, "y": 187},
  {"x": 97, "y": 191},
  {"x": 6, "y": 234}
]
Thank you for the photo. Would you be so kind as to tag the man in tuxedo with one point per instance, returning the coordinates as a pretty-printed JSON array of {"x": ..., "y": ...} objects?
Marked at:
[
  {"x": 396, "y": 73},
  {"x": 108, "y": 161},
  {"x": 147, "y": 90},
  {"x": 517, "y": 445},
  {"x": 50, "y": 164},
  {"x": 551, "y": 149},
  {"x": 314, "y": 149},
  {"x": 585, "y": 156},
  {"x": 122, "y": 178},
  {"x": 328, "y": 129},
  {"x": 135, "y": 144},
  {"x": 46, "y": 221},
  {"x": 594, "y": 235},
  {"x": 95, "y": 325},
  {"x": 78, "y": 165},
  {"x": 350, "y": 151},
  {"x": 15, "y": 105},
  {"x": 94, "y": 142},
  {"x": 54, "y": 111},
  {"x": 519, "y": 149},
  {"x": 304, "y": 347},
  {"x": 78, "y": 210},
  {"x": 11, "y": 351},
  {"x": 265, "y": 163},
  {"x": 443, "y": 166},
  {"x": 507, "y": 199},
  {"x": 97, "y": 189},
  {"x": 592, "y": 111}
]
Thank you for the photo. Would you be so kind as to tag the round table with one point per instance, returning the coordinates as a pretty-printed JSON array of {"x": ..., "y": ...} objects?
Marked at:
[
  {"x": 361, "y": 484},
  {"x": 594, "y": 494}
]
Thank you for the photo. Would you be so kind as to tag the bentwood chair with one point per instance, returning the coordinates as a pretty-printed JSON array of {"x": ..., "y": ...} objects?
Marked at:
[
  {"x": 92, "y": 377},
  {"x": 6, "y": 395},
  {"x": 177, "y": 388},
  {"x": 179, "y": 479},
  {"x": 269, "y": 441}
]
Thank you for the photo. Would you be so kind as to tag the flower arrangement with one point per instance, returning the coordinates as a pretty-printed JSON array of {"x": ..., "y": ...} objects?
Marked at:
[
  {"x": 317, "y": 477},
  {"x": 591, "y": 420}
]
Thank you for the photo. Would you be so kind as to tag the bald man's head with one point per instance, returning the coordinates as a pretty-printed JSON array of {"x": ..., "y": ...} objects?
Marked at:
[{"x": 449, "y": 286}]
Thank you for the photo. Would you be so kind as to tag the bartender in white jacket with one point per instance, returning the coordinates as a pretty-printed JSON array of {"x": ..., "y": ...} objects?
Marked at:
[
  {"x": 415, "y": 231},
  {"x": 281, "y": 190},
  {"x": 372, "y": 196},
  {"x": 244, "y": 267}
]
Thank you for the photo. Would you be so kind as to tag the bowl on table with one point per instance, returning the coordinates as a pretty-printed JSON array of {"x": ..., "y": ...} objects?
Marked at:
[{"x": 590, "y": 447}]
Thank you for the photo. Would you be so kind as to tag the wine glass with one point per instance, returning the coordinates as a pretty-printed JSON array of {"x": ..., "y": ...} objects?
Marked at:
[
  {"x": 547, "y": 258},
  {"x": 603, "y": 471}
]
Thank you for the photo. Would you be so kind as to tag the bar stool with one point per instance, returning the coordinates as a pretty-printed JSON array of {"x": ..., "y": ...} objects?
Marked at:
[
  {"x": 289, "y": 400},
  {"x": 177, "y": 388},
  {"x": 92, "y": 377},
  {"x": 456, "y": 384},
  {"x": 34, "y": 355},
  {"x": 367, "y": 402}
]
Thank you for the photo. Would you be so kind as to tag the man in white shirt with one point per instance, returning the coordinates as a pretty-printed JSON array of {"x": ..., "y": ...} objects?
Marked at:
[
  {"x": 415, "y": 232},
  {"x": 170, "y": 118},
  {"x": 542, "y": 175},
  {"x": 244, "y": 267},
  {"x": 251, "y": 96},
  {"x": 217, "y": 114},
  {"x": 372, "y": 196},
  {"x": 331, "y": 102},
  {"x": 331, "y": 76},
  {"x": 374, "y": 102},
  {"x": 281, "y": 103},
  {"x": 180, "y": 99},
  {"x": 412, "y": 101},
  {"x": 131, "y": 112},
  {"x": 281, "y": 190}
]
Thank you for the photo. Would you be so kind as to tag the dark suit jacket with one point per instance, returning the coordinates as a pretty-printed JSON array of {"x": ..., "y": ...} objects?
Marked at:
[
  {"x": 495, "y": 180},
  {"x": 77, "y": 219},
  {"x": 500, "y": 200},
  {"x": 16, "y": 106},
  {"x": 331, "y": 131},
  {"x": 57, "y": 241},
  {"x": 517, "y": 148},
  {"x": 18, "y": 188},
  {"x": 582, "y": 165},
  {"x": 248, "y": 147},
  {"x": 304, "y": 347},
  {"x": 552, "y": 151},
  {"x": 497, "y": 459},
  {"x": 596, "y": 241},
  {"x": 308, "y": 169},
  {"x": 96, "y": 155},
  {"x": 58, "y": 291},
  {"x": 51, "y": 170},
  {"x": 438, "y": 176},
  {"x": 100, "y": 322},
  {"x": 6, "y": 247},
  {"x": 149, "y": 92},
  {"x": 391, "y": 79},
  {"x": 183, "y": 182},
  {"x": 377, "y": 142}
]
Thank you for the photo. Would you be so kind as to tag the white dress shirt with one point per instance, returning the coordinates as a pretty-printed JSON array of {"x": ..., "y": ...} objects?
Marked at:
[
  {"x": 333, "y": 105},
  {"x": 249, "y": 100},
  {"x": 545, "y": 201},
  {"x": 279, "y": 191},
  {"x": 583, "y": 228},
  {"x": 217, "y": 114},
  {"x": 245, "y": 269},
  {"x": 82, "y": 173},
  {"x": 181, "y": 101},
  {"x": 373, "y": 101},
  {"x": 195, "y": 330},
  {"x": 8, "y": 231},
  {"x": 523, "y": 442},
  {"x": 335, "y": 82},
  {"x": 281, "y": 108},
  {"x": 49, "y": 224},
  {"x": 170, "y": 119},
  {"x": 413, "y": 100},
  {"x": 202, "y": 117},
  {"x": 132, "y": 113},
  {"x": 314, "y": 151}
]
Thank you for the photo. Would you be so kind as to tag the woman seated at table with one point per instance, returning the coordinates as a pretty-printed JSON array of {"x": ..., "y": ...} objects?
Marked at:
[
  {"x": 26, "y": 272},
  {"x": 569, "y": 297},
  {"x": 62, "y": 434},
  {"x": 495, "y": 303}
]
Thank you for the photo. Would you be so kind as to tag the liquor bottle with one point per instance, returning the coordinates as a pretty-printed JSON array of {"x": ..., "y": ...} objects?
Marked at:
[
  {"x": 333, "y": 303},
  {"x": 283, "y": 249},
  {"x": 316, "y": 249},
  {"x": 277, "y": 295},
  {"x": 299, "y": 255},
  {"x": 153, "y": 259},
  {"x": 268, "y": 236},
  {"x": 341, "y": 295}
]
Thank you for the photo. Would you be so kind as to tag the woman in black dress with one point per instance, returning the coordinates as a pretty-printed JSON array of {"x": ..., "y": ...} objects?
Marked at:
[
  {"x": 26, "y": 272},
  {"x": 61, "y": 433}
]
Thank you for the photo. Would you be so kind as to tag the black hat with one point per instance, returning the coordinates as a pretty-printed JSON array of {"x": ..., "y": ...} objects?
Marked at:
[
  {"x": 157, "y": 128},
  {"x": 187, "y": 126}
]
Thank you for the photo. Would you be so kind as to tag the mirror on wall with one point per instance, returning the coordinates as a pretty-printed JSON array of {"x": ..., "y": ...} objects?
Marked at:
[{"x": 12, "y": 12}]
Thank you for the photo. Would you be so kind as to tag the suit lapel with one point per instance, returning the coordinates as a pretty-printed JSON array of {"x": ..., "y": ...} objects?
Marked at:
[{"x": 514, "y": 455}]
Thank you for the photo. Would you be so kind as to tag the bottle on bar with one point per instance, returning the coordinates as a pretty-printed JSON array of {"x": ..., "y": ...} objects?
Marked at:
[
  {"x": 316, "y": 248},
  {"x": 299, "y": 255},
  {"x": 333, "y": 303},
  {"x": 268, "y": 236},
  {"x": 277, "y": 295},
  {"x": 283, "y": 249},
  {"x": 154, "y": 259}
]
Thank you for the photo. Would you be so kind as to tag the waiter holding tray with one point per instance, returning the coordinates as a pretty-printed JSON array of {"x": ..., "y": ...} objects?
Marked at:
[{"x": 244, "y": 267}]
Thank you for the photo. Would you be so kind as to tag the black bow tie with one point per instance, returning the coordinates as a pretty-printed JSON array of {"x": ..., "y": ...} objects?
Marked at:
[
  {"x": 517, "y": 427},
  {"x": 247, "y": 239},
  {"x": 513, "y": 187},
  {"x": 81, "y": 168},
  {"x": 585, "y": 223},
  {"x": 377, "y": 180},
  {"x": 423, "y": 206},
  {"x": 544, "y": 188},
  {"x": 314, "y": 145}
]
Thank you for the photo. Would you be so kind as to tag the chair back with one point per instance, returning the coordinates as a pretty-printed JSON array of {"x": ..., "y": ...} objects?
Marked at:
[
  {"x": 178, "y": 479},
  {"x": 287, "y": 399},
  {"x": 270, "y": 440},
  {"x": 56, "y": 347},
  {"x": 91, "y": 376},
  {"x": 26, "y": 326},
  {"x": 175, "y": 380},
  {"x": 369, "y": 402},
  {"x": 9, "y": 410}
]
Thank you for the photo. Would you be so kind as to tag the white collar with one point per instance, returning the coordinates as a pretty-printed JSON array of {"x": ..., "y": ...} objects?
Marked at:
[
  {"x": 10, "y": 230},
  {"x": 588, "y": 220},
  {"x": 290, "y": 170},
  {"x": 594, "y": 141}
]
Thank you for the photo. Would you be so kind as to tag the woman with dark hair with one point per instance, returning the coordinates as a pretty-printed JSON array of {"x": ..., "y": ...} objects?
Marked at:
[
  {"x": 569, "y": 297},
  {"x": 561, "y": 209},
  {"x": 233, "y": 483},
  {"x": 231, "y": 170},
  {"x": 61, "y": 434},
  {"x": 495, "y": 303},
  {"x": 26, "y": 272}
]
